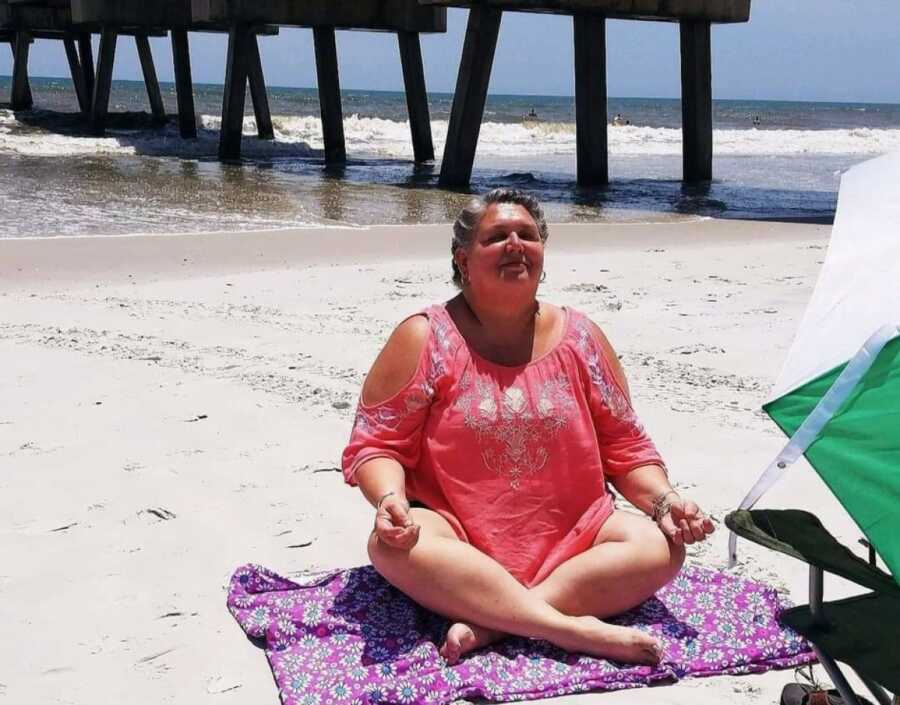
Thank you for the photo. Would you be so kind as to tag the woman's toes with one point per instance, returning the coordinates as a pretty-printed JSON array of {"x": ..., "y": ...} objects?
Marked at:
[
  {"x": 449, "y": 653},
  {"x": 463, "y": 638},
  {"x": 458, "y": 639},
  {"x": 653, "y": 649}
]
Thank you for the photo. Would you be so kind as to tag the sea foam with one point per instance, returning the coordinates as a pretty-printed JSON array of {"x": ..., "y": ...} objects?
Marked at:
[{"x": 370, "y": 136}]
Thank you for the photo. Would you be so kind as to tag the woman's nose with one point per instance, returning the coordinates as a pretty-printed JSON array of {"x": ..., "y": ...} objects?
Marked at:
[{"x": 514, "y": 242}]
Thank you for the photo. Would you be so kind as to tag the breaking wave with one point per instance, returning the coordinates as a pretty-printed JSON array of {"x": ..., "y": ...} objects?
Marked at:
[{"x": 46, "y": 135}]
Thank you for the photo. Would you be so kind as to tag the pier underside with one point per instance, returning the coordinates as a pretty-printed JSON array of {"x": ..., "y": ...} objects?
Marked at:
[
  {"x": 653, "y": 10},
  {"x": 406, "y": 18},
  {"x": 695, "y": 18}
]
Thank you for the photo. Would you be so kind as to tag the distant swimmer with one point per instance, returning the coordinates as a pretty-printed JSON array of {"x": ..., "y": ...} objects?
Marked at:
[
  {"x": 532, "y": 114},
  {"x": 756, "y": 121},
  {"x": 618, "y": 120}
]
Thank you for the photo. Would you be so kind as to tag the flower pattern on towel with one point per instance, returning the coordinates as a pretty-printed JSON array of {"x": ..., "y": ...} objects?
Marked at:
[{"x": 353, "y": 638}]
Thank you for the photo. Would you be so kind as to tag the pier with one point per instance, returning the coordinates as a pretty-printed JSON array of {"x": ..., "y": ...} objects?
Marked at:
[
  {"x": 172, "y": 17},
  {"x": 405, "y": 18},
  {"x": 73, "y": 22},
  {"x": 589, "y": 28},
  {"x": 23, "y": 21}
]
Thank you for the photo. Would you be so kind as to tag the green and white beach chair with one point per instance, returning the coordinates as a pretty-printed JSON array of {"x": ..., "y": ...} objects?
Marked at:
[{"x": 838, "y": 400}]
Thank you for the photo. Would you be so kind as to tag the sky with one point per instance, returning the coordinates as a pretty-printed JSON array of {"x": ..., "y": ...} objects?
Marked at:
[{"x": 815, "y": 50}]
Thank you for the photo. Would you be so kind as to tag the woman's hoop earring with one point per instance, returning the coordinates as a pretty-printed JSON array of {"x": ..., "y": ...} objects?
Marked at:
[
  {"x": 543, "y": 277},
  {"x": 464, "y": 277}
]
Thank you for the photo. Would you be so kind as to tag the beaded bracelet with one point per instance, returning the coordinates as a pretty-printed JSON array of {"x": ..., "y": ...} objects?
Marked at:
[{"x": 661, "y": 505}]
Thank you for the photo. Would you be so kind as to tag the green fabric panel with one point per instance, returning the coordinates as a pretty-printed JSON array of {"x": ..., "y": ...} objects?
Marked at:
[
  {"x": 861, "y": 632},
  {"x": 801, "y": 535},
  {"x": 858, "y": 451}
]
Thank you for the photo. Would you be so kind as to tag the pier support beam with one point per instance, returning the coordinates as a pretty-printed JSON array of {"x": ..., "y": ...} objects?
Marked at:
[
  {"x": 184, "y": 88},
  {"x": 150, "y": 80},
  {"x": 416, "y": 96},
  {"x": 235, "y": 92},
  {"x": 330, "y": 95},
  {"x": 471, "y": 94},
  {"x": 590, "y": 100},
  {"x": 86, "y": 56},
  {"x": 103, "y": 80},
  {"x": 20, "y": 98},
  {"x": 84, "y": 98},
  {"x": 696, "y": 100},
  {"x": 258, "y": 95}
]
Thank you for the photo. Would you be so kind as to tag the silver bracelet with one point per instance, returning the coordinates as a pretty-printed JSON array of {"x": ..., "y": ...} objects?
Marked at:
[{"x": 382, "y": 498}]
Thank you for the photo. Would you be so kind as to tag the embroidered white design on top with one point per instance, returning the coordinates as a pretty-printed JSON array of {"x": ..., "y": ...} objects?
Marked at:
[
  {"x": 612, "y": 396},
  {"x": 391, "y": 414},
  {"x": 512, "y": 431}
]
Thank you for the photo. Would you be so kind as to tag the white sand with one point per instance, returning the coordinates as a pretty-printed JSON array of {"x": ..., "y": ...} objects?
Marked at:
[{"x": 173, "y": 407}]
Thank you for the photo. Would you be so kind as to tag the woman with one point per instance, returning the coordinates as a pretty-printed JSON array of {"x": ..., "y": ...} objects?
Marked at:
[{"x": 501, "y": 419}]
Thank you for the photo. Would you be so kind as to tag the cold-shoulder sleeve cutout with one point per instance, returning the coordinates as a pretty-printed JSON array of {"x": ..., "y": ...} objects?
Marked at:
[
  {"x": 395, "y": 399},
  {"x": 398, "y": 362},
  {"x": 624, "y": 443}
]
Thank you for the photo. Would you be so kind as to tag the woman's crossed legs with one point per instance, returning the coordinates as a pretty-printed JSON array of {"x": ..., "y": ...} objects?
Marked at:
[{"x": 629, "y": 561}]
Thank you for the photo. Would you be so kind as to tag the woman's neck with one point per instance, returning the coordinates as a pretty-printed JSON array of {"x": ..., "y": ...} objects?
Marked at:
[{"x": 510, "y": 328}]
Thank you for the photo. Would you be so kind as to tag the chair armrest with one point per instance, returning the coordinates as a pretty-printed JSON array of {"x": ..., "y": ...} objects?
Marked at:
[{"x": 801, "y": 535}]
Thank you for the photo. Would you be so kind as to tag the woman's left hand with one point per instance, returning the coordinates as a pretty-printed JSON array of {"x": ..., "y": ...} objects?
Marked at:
[{"x": 684, "y": 523}]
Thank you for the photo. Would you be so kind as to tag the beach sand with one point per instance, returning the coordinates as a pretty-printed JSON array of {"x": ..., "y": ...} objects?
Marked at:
[{"x": 175, "y": 406}]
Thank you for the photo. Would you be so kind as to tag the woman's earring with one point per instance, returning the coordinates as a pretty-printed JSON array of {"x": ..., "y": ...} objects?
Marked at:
[
  {"x": 464, "y": 277},
  {"x": 543, "y": 277}
]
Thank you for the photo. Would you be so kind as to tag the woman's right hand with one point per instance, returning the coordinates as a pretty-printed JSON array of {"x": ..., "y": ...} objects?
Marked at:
[{"x": 393, "y": 524}]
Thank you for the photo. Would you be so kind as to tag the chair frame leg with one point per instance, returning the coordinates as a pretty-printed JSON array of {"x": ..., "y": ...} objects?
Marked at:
[
  {"x": 834, "y": 673},
  {"x": 816, "y": 596},
  {"x": 881, "y": 695}
]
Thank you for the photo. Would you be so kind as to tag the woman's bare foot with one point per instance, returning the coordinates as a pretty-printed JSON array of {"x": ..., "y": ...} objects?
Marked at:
[
  {"x": 597, "y": 638},
  {"x": 463, "y": 638}
]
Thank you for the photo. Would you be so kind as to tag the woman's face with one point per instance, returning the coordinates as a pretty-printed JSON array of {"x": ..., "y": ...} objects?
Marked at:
[{"x": 506, "y": 253}]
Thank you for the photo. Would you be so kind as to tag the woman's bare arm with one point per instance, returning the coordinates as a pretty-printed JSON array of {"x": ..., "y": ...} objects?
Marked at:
[
  {"x": 647, "y": 487},
  {"x": 382, "y": 479}
]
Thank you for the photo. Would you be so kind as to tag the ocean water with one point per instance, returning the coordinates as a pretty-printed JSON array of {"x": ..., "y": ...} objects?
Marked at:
[{"x": 772, "y": 160}]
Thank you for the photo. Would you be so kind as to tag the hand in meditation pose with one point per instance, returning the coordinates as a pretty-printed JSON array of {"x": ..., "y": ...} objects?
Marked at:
[{"x": 486, "y": 436}]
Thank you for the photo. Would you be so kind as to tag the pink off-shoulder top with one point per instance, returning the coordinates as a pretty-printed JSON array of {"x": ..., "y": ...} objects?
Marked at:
[{"x": 514, "y": 458}]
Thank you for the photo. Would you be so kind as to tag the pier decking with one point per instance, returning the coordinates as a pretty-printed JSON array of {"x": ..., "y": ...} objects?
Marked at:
[
  {"x": 403, "y": 17},
  {"x": 589, "y": 25}
]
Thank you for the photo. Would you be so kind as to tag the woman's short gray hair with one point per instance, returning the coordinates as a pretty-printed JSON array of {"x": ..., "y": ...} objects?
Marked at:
[{"x": 470, "y": 216}]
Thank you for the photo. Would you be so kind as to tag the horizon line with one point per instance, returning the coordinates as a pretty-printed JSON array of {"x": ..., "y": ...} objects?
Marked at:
[{"x": 499, "y": 94}]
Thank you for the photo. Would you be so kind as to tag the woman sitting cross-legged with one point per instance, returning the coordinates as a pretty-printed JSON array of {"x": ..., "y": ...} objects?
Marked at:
[{"x": 486, "y": 433}]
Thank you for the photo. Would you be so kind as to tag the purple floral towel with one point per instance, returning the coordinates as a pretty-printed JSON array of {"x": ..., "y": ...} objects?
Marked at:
[{"x": 349, "y": 637}]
